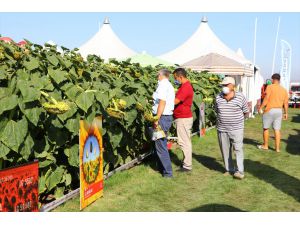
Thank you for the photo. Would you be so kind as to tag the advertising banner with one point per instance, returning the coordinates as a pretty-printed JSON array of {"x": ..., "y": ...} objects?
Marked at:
[
  {"x": 202, "y": 119},
  {"x": 19, "y": 188},
  {"x": 91, "y": 161}
]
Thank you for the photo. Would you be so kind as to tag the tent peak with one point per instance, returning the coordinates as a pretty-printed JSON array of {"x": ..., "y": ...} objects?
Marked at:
[
  {"x": 204, "y": 19},
  {"x": 106, "y": 20}
]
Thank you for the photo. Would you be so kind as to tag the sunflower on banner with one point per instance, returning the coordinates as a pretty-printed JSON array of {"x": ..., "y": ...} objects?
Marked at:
[{"x": 91, "y": 162}]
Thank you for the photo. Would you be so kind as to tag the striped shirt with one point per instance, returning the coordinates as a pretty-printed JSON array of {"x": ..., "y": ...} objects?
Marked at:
[{"x": 230, "y": 114}]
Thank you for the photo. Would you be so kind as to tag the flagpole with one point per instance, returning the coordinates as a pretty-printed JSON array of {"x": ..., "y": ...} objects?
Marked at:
[
  {"x": 275, "y": 48},
  {"x": 254, "y": 45}
]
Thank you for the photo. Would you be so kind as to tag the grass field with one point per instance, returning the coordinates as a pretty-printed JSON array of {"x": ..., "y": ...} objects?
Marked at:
[{"x": 272, "y": 180}]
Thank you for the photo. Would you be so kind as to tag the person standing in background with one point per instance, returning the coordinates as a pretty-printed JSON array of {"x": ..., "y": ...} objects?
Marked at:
[
  {"x": 231, "y": 108},
  {"x": 276, "y": 98},
  {"x": 163, "y": 108},
  {"x": 184, "y": 117}
]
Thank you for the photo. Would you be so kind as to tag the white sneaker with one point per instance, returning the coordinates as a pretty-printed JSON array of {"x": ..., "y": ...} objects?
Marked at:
[{"x": 238, "y": 175}]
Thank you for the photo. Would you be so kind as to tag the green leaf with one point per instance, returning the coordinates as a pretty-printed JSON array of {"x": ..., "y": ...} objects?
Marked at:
[
  {"x": 26, "y": 149},
  {"x": 52, "y": 59},
  {"x": 57, "y": 136},
  {"x": 14, "y": 134},
  {"x": 3, "y": 123},
  {"x": 42, "y": 184},
  {"x": 3, "y": 150},
  {"x": 73, "y": 155},
  {"x": 85, "y": 100},
  {"x": 8, "y": 103},
  {"x": 33, "y": 115},
  {"x": 45, "y": 163},
  {"x": 32, "y": 64},
  {"x": 115, "y": 135},
  {"x": 22, "y": 74},
  {"x": 69, "y": 113},
  {"x": 59, "y": 192},
  {"x": 41, "y": 155},
  {"x": 102, "y": 98},
  {"x": 73, "y": 125},
  {"x": 29, "y": 94},
  {"x": 73, "y": 92},
  {"x": 57, "y": 75},
  {"x": 68, "y": 178},
  {"x": 131, "y": 116},
  {"x": 55, "y": 177}
]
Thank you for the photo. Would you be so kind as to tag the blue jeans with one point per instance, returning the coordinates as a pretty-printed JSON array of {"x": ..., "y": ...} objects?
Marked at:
[{"x": 161, "y": 147}]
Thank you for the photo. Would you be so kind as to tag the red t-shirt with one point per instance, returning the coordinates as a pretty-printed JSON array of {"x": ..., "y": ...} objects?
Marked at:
[{"x": 185, "y": 94}]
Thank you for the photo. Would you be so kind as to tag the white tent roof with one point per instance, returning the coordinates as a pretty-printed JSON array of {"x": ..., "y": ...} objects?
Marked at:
[
  {"x": 218, "y": 64},
  {"x": 106, "y": 44},
  {"x": 240, "y": 53},
  {"x": 202, "y": 42}
]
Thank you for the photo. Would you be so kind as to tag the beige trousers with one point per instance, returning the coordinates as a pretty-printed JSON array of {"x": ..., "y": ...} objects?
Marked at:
[{"x": 184, "y": 128}]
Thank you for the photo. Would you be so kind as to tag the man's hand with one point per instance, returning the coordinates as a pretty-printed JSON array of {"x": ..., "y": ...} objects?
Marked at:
[
  {"x": 285, "y": 116},
  {"x": 155, "y": 124}
]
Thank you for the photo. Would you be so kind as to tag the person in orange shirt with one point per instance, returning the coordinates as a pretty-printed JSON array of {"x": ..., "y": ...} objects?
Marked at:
[{"x": 276, "y": 98}]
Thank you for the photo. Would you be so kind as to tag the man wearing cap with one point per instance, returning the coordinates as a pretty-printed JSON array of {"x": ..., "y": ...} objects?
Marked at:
[
  {"x": 231, "y": 108},
  {"x": 163, "y": 108}
]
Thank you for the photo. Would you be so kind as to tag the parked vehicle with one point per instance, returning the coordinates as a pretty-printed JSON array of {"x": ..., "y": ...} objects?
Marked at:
[{"x": 294, "y": 93}]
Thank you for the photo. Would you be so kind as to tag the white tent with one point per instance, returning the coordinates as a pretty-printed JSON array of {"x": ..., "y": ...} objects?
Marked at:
[
  {"x": 251, "y": 86},
  {"x": 106, "y": 44},
  {"x": 203, "y": 46},
  {"x": 202, "y": 42}
]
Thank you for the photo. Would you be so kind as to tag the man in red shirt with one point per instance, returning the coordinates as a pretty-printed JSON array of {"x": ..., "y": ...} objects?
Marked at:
[{"x": 184, "y": 117}]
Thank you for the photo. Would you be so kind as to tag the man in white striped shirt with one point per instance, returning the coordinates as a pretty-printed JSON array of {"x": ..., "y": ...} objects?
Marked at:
[{"x": 231, "y": 108}]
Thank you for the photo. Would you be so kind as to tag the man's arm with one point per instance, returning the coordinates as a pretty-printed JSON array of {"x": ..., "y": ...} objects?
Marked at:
[
  {"x": 177, "y": 101},
  {"x": 286, "y": 106},
  {"x": 160, "y": 108},
  {"x": 245, "y": 107}
]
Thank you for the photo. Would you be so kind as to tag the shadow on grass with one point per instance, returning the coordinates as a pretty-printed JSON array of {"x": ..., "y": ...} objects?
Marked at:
[
  {"x": 175, "y": 159},
  {"x": 209, "y": 162},
  {"x": 296, "y": 119},
  {"x": 251, "y": 142},
  {"x": 293, "y": 143},
  {"x": 280, "y": 180},
  {"x": 216, "y": 208},
  {"x": 155, "y": 164}
]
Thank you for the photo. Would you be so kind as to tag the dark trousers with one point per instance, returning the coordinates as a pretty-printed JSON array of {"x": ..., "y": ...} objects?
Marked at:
[{"x": 161, "y": 147}]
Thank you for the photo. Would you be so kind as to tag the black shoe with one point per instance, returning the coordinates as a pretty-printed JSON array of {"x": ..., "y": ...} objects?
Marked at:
[{"x": 183, "y": 170}]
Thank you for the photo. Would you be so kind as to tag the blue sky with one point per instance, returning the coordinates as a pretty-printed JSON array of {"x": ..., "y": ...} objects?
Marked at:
[{"x": 158, "y": 33}]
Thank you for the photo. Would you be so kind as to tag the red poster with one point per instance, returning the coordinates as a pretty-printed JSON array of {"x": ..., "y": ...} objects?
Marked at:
[{"x": 19, "y": 188}]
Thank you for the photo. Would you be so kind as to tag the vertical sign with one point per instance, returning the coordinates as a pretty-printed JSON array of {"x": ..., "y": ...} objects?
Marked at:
[
  {"x": 19, "y": 188},
  {"x": 91, "y": 161},
  {"x": 202, "y": 119},
  {"x": 286, "y": 58}
]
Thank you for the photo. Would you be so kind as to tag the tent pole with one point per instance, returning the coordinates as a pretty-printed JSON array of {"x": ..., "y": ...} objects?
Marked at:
[{"x": 254, "y": 45}]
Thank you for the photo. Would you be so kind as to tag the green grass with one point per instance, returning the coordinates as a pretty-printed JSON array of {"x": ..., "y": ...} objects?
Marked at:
[{"x": 272, "y": 180}]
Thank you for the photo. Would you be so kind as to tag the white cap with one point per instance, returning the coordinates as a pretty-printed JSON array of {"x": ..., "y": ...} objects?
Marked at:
[{"x": 228, "y": 80}]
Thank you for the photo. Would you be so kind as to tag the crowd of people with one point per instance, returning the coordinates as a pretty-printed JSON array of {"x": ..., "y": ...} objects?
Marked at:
[{"x": 231, "y": 109}]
